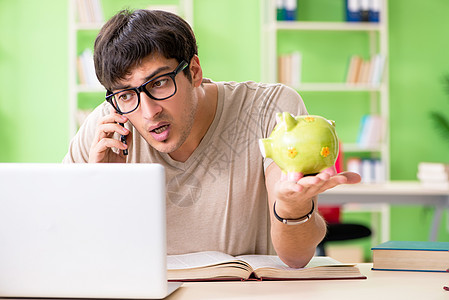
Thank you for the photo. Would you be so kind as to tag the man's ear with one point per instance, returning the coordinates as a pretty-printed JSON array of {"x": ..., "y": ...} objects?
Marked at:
[{"x": 196, "y": 71}]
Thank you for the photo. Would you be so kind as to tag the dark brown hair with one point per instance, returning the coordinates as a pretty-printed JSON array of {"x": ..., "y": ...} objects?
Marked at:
[{"x": 130, "y": 36}]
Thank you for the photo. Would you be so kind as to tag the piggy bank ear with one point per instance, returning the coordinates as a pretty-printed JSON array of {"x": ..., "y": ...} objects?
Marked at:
[{"x": 278, "y": 118}]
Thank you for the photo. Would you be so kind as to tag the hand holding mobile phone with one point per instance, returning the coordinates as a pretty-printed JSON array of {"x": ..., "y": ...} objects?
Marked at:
[
  {"x": 123, "y": 140},
  {"x": 122, "y": 137}
]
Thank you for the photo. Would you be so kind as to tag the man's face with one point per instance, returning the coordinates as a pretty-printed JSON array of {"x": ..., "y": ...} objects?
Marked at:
[{"x": 164, "y": 124}]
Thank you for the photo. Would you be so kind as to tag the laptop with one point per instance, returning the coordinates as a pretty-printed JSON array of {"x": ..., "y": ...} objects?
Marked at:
[{"x": 83, "y": 231}]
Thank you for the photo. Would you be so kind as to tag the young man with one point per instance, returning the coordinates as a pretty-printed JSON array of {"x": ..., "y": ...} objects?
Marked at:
[{"x": 220, "y": 190}]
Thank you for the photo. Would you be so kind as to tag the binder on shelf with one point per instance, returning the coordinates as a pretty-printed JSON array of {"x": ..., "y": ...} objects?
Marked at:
[
  {"x": 291, "y": 7},
  {"x": 374, "y": 11},
  {"x": 364, "y": 10},
  {"x": 353, "y": 11},
  {"x": 280, "y": 10}
]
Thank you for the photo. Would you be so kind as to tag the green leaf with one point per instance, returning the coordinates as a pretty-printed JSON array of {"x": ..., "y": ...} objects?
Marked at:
[
  {"x": 446, "y": 82},
  {"x": 441, "y": 123}
]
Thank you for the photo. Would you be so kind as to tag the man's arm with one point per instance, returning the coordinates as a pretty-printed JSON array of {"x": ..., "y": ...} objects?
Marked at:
[{"x": 293, "y": 194}]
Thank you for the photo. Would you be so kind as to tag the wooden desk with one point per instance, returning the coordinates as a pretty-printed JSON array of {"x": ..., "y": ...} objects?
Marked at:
[
  {"x": 379, "y": 285},
  {"x": 394, "y": 192}
]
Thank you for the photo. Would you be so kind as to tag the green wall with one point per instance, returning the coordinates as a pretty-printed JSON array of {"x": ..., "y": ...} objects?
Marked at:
[
  {"x": 419, "y": 47},
  {"x": 33, "y": 79},
  {"x": 419, "y": 44}
]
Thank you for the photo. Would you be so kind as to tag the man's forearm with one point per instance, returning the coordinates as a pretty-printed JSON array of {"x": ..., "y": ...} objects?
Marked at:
[{"x": 296, "y": 244}]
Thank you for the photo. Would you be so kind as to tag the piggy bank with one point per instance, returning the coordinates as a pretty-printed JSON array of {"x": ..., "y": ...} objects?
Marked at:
[{"x": 306, "y": 144}]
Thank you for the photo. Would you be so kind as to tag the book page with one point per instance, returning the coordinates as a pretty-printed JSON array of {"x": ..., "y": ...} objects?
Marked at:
[
  {"x": 272, "y": 261},
  {"x": 197, "y": 260}
]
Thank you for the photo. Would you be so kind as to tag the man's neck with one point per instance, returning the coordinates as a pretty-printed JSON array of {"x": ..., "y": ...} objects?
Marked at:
[{"x": 207, "y": 106}]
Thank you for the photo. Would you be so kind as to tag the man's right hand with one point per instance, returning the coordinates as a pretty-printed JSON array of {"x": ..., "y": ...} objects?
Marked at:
[{"x": 101, "y": 150}]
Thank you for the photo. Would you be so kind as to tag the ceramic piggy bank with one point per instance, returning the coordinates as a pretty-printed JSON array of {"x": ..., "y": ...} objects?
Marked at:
[{"x": 306, "y": 144}]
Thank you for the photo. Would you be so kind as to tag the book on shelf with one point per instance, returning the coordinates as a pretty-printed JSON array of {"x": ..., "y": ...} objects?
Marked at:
[
  {"x": 377, "y": 69},
  {"x": 433, "y": 174},
  {"x": 365, "y": 71},
  {"x": 289, "y": 68},
  {"x": 212, "y": 265},
  {"x": 355, "y": 63},
  {"x": 371, "y": 170},
  {"x": 86, "y": 69},
  {"x": 371, "y": 131},
  {"x": 411, "y": 256},
  {"x": 89, "y": 11}
]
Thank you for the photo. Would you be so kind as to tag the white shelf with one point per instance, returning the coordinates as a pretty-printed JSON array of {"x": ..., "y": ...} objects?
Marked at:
[
  {"x": 377, "y": 43},
  {"x": 412, "y": 188},
  {"x": 328, "y": 26},
  {"x": 354, "y": 147}
]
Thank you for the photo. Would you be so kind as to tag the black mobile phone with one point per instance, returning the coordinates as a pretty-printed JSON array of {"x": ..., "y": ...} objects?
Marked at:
[{"x": 123, "y": 139}]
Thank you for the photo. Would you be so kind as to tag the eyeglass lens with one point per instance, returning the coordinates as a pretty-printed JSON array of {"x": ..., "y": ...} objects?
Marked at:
[{"x": 159, "y": 88}]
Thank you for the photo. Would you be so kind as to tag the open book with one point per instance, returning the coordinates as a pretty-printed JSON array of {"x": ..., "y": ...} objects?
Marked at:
[{"x": 211, "y": 265}]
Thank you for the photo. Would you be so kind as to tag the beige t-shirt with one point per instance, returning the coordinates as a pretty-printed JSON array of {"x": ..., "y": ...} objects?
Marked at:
[{"x": 217, "y": 199}]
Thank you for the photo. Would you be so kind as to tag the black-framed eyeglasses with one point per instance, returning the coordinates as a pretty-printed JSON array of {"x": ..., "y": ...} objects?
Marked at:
[{"x": 159, "y": 88}]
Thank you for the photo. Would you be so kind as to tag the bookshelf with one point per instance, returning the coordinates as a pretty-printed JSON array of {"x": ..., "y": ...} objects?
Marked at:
[
  {"x": 374, "y": 38},
  {"x": 85, "y": 19}
]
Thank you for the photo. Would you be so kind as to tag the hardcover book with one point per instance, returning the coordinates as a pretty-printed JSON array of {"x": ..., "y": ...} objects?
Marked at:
[
  {"x": 411, "y": 256},
  {"x": 212, "y": 265}
]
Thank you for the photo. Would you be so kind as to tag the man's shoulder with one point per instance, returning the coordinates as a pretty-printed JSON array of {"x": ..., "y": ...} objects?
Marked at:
[
  {"x": 258, "y": 88},
  {"x": 252, "y": 85}
]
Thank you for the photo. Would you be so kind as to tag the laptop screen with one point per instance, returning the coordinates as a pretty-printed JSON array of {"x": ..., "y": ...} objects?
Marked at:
[{"x": 82, "y": 230}]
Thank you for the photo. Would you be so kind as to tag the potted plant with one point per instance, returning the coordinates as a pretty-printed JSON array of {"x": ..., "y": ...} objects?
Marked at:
[{"x": 440, "y": 120}]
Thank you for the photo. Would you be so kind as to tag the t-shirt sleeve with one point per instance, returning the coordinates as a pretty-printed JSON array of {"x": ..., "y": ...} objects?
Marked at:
[
  {"x": 80, "y": 144},
  {"x": 281, "y": 99}
]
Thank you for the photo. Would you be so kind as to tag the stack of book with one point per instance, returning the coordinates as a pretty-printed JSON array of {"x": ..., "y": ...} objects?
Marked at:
[
  {"x": 411, "y": 256},
  {"x": 365, "y": 71},
  {"x": 433, "y": 174}
]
